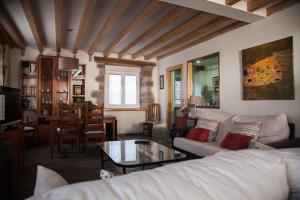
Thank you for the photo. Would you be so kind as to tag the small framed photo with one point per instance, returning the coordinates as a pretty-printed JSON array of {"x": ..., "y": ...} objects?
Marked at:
[
  {"x": 77, "y": 90},
  {"x": 161, "y": 82}
]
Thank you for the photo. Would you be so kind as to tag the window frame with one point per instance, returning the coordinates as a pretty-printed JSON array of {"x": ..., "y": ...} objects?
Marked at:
[{"x": 123, "y": 71}]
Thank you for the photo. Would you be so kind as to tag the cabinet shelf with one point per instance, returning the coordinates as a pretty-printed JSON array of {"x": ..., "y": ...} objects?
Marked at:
[
  {"x": 29, "y": 76},
  {"x": 77, "y": 95},
  {"x": 28, "y": 95},
  {"x": 29, "y": 110}
]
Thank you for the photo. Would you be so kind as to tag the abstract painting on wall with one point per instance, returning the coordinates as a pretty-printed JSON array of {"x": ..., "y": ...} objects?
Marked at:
[{"x": 268, "y": 71}]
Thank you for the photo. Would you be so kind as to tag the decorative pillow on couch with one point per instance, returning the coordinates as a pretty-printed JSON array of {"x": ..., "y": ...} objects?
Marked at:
[
  {"x": 235, "y": 141},
  {"x": 273, "y": 128},
  {"x": 247, "y": 128},
  {"x": 199, "y": 134},
  {"x": 211, "y": 125}
]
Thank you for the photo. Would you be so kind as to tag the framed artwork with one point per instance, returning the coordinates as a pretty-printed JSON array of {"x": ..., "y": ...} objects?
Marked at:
[
  {"x": 77, "y": 89},
  {"x": 161, "y": 82},
  {"x": 268, "y": 71}
]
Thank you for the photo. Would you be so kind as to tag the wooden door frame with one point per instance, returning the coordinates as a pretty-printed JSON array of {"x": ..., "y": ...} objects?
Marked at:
[{"x": 169, "y": 89}]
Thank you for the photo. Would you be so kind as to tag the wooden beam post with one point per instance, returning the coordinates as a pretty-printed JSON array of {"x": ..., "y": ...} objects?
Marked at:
[
  {"x": 147, "y": 11},
  {"x": 201, "y": 31},
  {"x": 183, "y": 27},
  {"x": 253, "y": 5},
  {"x": 11, "y": 29},
  {"x": 35, "y": 29},
  {"x": 119, "y": 7},
  {"x": 84, "y": 21},
  {"x": 123, "y": 62},
  {"x": 203, "y": 39},
  {"x": 172, "y": 15},
  {"x": 58, "y": 7}
]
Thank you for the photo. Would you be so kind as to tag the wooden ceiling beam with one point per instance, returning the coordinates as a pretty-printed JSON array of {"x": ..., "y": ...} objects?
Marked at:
[
  {"x": 164, "y": 21},
  {"x": 147, "y": 11},
  {"x": 231, "y": 2},
  {"x": 85, "y": 19},
  {"x": 4, "y": 37},
  {"x": 253, "y": 5},
  {"x": 118, "y": 8},
  {"x": 123, "y": 62},
  {"x": 199, "y": 32},
  {"x": 58, "y": 7},
  {"x": 203, "y": 39},
  {"x": 280, "y": 6},
  {"x": 11, "y": 29},
  {"x": 27, "y": 6},
  {"x": 183, "y": 27}
]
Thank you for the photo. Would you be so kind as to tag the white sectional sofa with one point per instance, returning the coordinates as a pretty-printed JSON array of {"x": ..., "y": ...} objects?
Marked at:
[{"x": 274, "y": 128}]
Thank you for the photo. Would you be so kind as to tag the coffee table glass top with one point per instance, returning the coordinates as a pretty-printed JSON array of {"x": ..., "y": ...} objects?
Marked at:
[{"x": 128, "y": 152}]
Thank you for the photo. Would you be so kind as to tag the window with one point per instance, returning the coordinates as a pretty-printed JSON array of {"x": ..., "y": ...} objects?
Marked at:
[
  {"x": 203, "y": 81},
  {"x": 122, "y": 87}
]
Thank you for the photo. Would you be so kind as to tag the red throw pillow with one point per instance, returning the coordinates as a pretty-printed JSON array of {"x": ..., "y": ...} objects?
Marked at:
[
  {"x": 236, "y": 141},
  {"x": 199, "y": 134}
]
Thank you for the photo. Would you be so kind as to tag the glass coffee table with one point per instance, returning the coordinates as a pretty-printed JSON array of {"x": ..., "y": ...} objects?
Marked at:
[{"x": 135, "y": 153}]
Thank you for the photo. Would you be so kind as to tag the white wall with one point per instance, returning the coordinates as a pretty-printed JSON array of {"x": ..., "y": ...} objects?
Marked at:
[
  {"x": 128, "y": 121},
  {"x": 277, "y": 26}
]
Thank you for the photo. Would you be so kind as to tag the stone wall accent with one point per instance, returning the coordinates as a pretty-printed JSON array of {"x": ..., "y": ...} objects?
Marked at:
[
  {"x": 99, "y": 94},
  {"x": 146, "y": 84}
]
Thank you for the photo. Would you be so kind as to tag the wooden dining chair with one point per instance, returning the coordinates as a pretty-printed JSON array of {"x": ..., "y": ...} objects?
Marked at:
[
  {"x": 93, "y": 123},
  {"x": 68, "y": 126},
  {"x": 152, "y": 118}
]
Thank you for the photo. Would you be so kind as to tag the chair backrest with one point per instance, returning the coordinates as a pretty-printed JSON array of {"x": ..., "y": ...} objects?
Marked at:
[
  {"x": 68, "y": 117},
  {"x": 153, "y": 112},
  {"x": 93, "y": 117}
]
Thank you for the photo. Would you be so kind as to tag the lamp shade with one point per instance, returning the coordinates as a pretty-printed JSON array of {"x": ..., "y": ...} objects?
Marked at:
[{"x": 68, "y": 64}]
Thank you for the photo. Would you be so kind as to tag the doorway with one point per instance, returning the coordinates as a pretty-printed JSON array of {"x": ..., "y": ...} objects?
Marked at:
[{"x": 175, "y": 93}]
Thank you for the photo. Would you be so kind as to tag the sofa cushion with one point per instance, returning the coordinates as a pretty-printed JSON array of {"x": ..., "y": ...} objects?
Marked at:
[
  {"x": 247, "y": 128},
  {"x": 197, "y": 148},
  {"x": 46, "y": 180},
  {"x": 209, "y": 124},
  {"x": 198, "y": 134},
  {"x": 235, "y": 141},
  {"x": 274, "y": 127},
  {"x": 225, "y": 121}
]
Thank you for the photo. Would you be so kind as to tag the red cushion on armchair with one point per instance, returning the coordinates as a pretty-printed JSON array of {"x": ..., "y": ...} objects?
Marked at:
[
  {"x": 199, "y": 134},
  {"x": 236, "y": 141}
]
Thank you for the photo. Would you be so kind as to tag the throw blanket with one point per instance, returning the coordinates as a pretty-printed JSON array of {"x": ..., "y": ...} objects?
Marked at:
[{"x": 240, "y": 175}]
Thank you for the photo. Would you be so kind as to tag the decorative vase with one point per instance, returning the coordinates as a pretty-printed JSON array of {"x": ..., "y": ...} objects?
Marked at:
[{"x": 26, "y": 103}]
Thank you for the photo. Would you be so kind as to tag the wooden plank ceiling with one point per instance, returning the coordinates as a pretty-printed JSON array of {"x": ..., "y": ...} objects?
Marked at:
[{"x": 125, "y": 28}]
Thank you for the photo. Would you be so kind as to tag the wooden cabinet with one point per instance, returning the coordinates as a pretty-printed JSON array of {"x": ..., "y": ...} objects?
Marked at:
[
  {"x": 29, "y": 74},
  {"x": 53, "y": 89},
  {"x": 15, "y": 137},
  {"x": 185, "y": 122}
]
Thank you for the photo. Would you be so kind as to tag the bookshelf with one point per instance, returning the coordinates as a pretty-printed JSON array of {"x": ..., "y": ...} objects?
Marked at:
[
  {"x": 78, "y": 85},
  {"x": 29, "y": 80}
]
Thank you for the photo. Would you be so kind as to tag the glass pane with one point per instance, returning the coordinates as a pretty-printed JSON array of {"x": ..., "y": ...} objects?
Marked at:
[
  {"x": 130, "y": 89},
  {"x": 115, "y": 88},
  {"x": 204, "y": 81}
]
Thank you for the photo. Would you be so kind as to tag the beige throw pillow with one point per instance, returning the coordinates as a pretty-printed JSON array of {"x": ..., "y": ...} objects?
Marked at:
[{"x": 211, "y": 125}]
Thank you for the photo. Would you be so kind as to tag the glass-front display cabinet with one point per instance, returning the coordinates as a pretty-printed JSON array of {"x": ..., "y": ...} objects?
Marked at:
[{"x": 204, "y": 81}]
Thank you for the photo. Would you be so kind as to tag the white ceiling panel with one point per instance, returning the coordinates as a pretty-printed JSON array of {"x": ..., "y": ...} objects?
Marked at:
[
  {"x": 72, "y": 13},
  {"x": 46, "y": 12}
]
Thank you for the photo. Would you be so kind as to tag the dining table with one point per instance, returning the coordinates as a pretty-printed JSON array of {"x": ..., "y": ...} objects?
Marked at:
[{"x": 110, "y": 124}]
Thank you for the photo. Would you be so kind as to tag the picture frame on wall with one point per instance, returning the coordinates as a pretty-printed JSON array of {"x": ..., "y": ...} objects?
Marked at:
[
  {"x": 77, "y": 90},
  {"x": 161, "y": 82},
  {"x": 268, "y": 71}
]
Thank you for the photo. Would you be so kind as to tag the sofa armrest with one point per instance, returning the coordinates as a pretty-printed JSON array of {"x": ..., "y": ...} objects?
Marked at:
[
  {"x": 178, "y": 132},
  {"x": 286, "y": 143}
]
